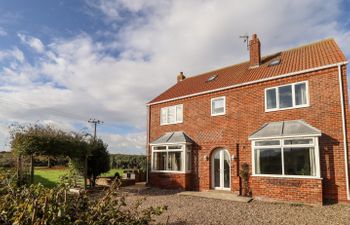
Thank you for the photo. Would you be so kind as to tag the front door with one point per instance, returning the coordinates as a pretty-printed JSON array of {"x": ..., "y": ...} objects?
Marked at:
[{"x": 221, "y": 170}]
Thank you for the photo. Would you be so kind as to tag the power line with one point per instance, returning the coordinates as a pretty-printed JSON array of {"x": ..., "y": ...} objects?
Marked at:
[{"x": 95, "y": 122}]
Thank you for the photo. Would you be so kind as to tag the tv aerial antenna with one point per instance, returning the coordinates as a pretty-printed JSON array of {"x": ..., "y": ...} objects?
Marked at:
[{"x": 245, "y": 39}]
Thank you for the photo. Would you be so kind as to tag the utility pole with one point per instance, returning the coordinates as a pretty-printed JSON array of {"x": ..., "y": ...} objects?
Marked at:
[{"x": 95, "y": 122}]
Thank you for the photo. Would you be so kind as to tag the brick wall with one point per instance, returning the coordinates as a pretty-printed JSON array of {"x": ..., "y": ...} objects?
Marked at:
[
  {"x": 288, "y": 189},
  {"x": 170, "y": 180},
  {"x": 245, "y": 113}
]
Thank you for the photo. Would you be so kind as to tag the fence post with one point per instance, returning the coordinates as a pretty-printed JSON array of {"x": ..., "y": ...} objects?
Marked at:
[
  {"x": 85, "y": 172},
  {"x": 19, "y": 164},
  {"x": 31, "y": 168}
]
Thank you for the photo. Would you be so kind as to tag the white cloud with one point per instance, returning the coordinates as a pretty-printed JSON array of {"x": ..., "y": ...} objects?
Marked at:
[
  {"x": 33, "y": 42},
  {"x": 131, "y": 143},
  {"x": 14, "y": 53},
  {"x": 149, "y": 46}
]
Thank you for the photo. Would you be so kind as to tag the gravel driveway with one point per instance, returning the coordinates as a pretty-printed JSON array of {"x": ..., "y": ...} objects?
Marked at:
[{"x": 195, "y": 210}]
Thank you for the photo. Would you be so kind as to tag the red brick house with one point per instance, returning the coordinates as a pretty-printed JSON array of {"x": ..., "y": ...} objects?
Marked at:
[{"x": 286, "y": 115}]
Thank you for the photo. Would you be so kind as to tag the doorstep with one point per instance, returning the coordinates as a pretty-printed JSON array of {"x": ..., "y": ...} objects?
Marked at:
[{"x": 228, "y": 196}]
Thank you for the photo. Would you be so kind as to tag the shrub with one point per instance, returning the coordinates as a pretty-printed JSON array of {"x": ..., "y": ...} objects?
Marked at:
[
  {"x": 38, "y": 205},
  {"x": 244, "y": 174},
  {"x": 98, "y": 162}
]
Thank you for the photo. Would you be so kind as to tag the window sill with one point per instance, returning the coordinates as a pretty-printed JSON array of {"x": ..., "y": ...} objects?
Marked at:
[
  {"x": 287, "y": 176},
  {"x": 221, "y": 114},
  {"x": 164, "y": 124},
  {"x": 174, "y": 172},
  {"x": 296, "y": 107}
]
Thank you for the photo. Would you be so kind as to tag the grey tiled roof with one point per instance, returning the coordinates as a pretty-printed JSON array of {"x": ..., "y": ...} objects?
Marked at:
[
  {"x": 285, "y": 129},
  {"x": 173, "y": 137}
]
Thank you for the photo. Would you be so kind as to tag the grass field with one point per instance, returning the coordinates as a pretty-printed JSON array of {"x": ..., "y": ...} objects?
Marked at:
[
  {"x": 112, "y": 172},
  {"x": 49, "y": 177}
]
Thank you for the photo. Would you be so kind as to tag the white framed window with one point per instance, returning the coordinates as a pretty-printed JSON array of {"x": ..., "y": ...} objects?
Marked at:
[
  {"x": 289, "y": 157},
  {"x": 174, "y": 158},
  {"x": 218, "y": 106},
  {"x": 289, "y": 96},
  {"x": 171, "y": 115}
]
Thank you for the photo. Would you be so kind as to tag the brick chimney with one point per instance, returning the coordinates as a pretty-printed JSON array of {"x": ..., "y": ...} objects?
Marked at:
[
  {"x": 254, "y": 50},
  {"x": 180, "y": 77}
]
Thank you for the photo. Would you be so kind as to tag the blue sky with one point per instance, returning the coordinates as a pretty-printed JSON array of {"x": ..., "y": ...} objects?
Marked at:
[{"x": 63, "y": 62}]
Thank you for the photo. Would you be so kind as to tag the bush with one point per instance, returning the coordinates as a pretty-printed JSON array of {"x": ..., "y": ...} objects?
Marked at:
[
  {"x": 38, "y": 205},
  {"x": 98, "y": 162},
  {"x": 244, "y": 174}
]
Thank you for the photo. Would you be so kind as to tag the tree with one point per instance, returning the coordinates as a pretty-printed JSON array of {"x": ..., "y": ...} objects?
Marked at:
[
  {"x": 98, "y": 161},
  {"x": 114, "y": 163},
  {"x": 34, "y": 140}
]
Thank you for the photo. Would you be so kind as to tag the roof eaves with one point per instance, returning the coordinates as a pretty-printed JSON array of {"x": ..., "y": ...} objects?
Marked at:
[{"x": 250, "y": 82}]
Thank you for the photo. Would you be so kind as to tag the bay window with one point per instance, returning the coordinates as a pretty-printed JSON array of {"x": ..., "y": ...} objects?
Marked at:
[
  {"x": 171, "y": 158},
  {"x": 287, "y": 96},
  {"x": 286, "y": 157}
]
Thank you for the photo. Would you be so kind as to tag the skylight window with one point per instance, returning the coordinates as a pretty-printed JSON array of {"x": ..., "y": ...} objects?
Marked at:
[
  {"x": 212, "y": 78},
  {"x": 275, "y": 62}
]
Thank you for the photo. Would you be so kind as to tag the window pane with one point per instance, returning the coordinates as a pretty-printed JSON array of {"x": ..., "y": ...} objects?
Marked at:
[
  {"x": 285, "y": 96},
  {"x": 298, "y": 142},
  {"x": 163, "y": 116},
  {"x": 216, "y": 169},
  {"x": 268, "y": 161},
  {"x": 300, "y": 94},
  {"x": 179, "y": 113},
  {"x": 226, "y": 170},
  {"x": 174, "y": 161},
  {"x": 175, "y": 147},
  {"x": 299, "y": 161},
  {"x": 267, "y": 143},
  {"x": 218, "y": 106},
  {"x": 172, "y": 114},
  {"x": 159, "y": 160},
  {"x": 271, "y": 99},
  {"x": 188, "y": 161},
  {"x": 159, "y": 147}
]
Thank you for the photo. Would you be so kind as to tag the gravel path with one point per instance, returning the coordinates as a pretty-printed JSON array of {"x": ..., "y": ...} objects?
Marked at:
[{"x": 195, "y": 210}]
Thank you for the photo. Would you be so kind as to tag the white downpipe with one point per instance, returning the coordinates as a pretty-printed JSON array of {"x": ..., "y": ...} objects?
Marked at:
[
  {"x": 147, "y": 142},
  {"x": 344, "y": 132}
]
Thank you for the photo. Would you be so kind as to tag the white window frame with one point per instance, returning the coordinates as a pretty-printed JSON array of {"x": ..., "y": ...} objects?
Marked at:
[
  {"x": 177, "y": 120},
  {"x": 293, "y": 97},
  {"x": 314, "y": 145},
  {"x": 185, "y": 147},
  {"x": 211, "y": 106}
]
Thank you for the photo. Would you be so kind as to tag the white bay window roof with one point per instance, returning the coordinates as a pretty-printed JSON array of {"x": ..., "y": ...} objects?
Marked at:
[
  {"x": 284, "y": 129},
  {"x": 177, "y": 137}
]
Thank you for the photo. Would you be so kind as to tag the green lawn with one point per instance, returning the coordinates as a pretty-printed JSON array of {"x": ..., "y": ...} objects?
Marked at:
[
  {"x": 112, "y": 172},
  {"x": 50, "y": 177}
]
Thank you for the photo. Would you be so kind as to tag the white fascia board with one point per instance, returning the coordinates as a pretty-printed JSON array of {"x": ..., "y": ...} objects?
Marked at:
[
  {"x": 284, "y": 137},
  {"x": 177, "y": 143}
]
